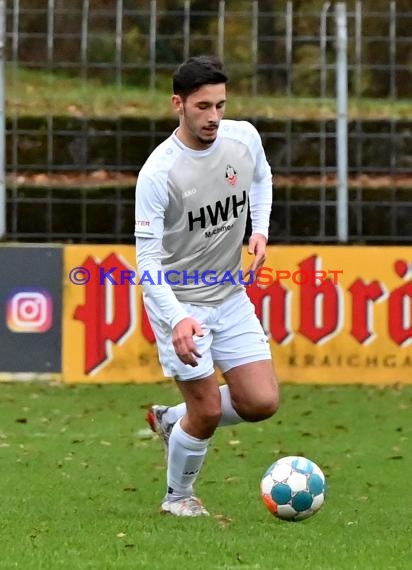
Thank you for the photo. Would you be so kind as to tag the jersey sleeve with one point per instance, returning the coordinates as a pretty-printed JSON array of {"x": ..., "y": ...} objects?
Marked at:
[
  {"x": 260, "y": 196},
  {"x": 150, "y": 205},
  {"x": 149, "y": 267}
]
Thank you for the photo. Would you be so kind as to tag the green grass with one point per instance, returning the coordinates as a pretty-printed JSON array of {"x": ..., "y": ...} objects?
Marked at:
[
  {"x": 34, "y": 93},
  {"x": 80, "y": 486}
]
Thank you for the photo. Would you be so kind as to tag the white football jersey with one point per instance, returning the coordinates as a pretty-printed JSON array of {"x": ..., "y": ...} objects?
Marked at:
[{"x": 196, "y": 202}]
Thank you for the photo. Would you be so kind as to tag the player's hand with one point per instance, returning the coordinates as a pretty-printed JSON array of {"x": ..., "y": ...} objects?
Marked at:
[
  {"x": 183, "y": 343},
  {"x": 256, "y": 247}
]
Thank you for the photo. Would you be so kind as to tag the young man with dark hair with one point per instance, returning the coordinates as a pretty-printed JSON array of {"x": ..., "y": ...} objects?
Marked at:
[{"x": 192, "y": 196}]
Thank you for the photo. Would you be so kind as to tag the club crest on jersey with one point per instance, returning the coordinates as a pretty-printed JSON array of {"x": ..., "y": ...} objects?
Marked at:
[{"x": 231, "y": 175}]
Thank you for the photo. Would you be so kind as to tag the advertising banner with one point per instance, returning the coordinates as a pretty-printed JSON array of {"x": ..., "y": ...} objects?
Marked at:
[
  {"x": 107, "y": 337},
  {"x": 31, "y": 310},
  {"x": 333, "y": 314},
  {"x": 338, "y": 314}
]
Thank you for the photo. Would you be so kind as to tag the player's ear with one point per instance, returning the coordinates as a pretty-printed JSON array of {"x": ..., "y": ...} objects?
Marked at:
[{"x": 177, "y": 103}]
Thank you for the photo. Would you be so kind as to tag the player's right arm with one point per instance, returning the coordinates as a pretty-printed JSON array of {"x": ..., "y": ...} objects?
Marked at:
[{"x": 151, "y": 203}]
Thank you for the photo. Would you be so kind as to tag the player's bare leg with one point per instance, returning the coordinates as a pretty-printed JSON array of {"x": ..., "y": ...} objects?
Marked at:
[
  {"x": 242, "y": 399},
  {"x": 254, "y": 390},
  {"x": 162, "y": 418},
  {"x": 188, "y": 444}
]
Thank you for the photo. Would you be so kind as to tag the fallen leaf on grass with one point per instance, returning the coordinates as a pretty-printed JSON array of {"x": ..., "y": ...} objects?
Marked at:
[
  {"x": 223, "y": 520},
  {"x": 232, "y": 479},
  {"x": 145, "y": 433}
]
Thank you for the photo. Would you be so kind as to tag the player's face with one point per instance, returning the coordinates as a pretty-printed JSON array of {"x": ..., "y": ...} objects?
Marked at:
[{"x": 200, "y": 115}]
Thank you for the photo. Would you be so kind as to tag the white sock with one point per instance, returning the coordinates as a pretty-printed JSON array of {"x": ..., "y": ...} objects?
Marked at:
[
  {"x": 186, "y": 457},
  {"x": 229, "y": 415}
]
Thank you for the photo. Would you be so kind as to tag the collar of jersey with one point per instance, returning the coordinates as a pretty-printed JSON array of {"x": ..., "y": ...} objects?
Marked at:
[{"x": 192, "y": 151}]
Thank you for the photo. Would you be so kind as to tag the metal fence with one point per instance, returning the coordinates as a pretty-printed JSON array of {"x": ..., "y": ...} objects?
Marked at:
[{"x": 71, "y": 178}]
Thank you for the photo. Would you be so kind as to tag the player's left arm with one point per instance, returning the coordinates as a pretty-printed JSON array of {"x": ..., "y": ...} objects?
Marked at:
[
  {"x": 256, "y": 247},
  {"x": 260, "y": 204}
]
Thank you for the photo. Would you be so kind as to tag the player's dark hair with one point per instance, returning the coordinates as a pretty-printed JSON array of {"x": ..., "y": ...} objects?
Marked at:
[{"x": 196, "y": 72}]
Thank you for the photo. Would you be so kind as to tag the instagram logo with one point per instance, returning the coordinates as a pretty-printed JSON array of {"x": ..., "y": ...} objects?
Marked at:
[{"x": 30, "y": 311}]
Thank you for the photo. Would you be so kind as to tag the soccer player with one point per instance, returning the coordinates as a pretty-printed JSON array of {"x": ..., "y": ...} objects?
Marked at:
[{"x": 192, "y": 196}]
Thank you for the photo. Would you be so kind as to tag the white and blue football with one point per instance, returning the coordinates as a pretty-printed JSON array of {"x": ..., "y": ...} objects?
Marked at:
[{"x": 293, "y": 488}]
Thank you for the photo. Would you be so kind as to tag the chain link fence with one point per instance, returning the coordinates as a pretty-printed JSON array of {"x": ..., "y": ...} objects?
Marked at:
[{"x": 71, "y": 174}]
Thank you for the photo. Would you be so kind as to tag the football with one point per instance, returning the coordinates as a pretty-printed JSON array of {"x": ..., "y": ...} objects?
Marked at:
[{"x": 293, "y": 488}]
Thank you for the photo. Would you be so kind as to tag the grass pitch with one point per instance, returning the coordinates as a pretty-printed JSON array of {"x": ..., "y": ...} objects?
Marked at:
[{"x": 81, "y": 482}]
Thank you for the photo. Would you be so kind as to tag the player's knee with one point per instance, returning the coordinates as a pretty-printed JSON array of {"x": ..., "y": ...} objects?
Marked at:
[
  {"x": 260, "y": 410},
  {"x": 206, "y": 419},
  {"x": 268, "y": 408},
  {"x": 211, "y": 416}
]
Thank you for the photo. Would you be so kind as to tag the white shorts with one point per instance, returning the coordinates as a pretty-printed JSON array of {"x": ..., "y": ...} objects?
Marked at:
[{"x": 233, "y": 336}]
